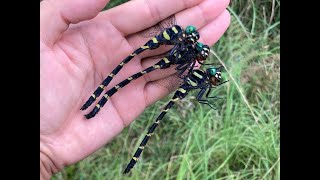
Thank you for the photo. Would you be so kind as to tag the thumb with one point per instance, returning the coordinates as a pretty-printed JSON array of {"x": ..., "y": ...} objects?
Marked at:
[{"x": 56, "y": 15}]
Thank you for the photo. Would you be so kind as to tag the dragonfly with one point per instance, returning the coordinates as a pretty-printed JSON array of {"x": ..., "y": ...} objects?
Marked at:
[{"x": 198, "y": 79}]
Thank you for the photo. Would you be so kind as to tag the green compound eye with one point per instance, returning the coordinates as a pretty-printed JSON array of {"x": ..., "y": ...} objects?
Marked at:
[
  {"x": 190, "y": 29},
  {"x": 199, "y": 46},
  {"x": 212, "y": 71}
]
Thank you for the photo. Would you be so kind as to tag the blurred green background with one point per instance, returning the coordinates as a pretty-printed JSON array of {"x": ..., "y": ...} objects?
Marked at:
[{"x": 238, "y": 141}]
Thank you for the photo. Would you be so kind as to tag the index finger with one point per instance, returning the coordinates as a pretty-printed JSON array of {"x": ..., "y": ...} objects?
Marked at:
[{"x": 134, "y": 16}]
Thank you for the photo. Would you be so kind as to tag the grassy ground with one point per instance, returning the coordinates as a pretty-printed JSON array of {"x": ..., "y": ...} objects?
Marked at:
[{"x": 241, "y": 140}]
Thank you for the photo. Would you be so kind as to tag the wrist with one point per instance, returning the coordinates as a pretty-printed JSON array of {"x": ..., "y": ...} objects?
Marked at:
[{"x": 48, "y": 166}]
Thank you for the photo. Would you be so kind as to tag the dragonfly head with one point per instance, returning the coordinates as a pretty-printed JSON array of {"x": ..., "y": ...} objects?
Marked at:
[
  {"x": 214, "y": 75},
  {"x": 203, "y": 51},
  {"x": 192, "y": 35}
]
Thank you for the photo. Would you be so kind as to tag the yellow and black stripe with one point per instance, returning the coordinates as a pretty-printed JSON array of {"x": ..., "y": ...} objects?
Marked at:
[
  {"x": 115, "y": 71},
  {"x": 193, "y": 80},
  {"x": 169, "y": 36},
  {"x": 164, "y": 62},
  {"x": 179, "y": 94}
]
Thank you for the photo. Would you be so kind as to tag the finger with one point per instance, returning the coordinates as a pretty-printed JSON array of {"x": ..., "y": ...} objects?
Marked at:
[
  {"x": 213, "y": 31},
  {"x": 56, "y": 15},
  {"x": 144, "y": 13},
  {"x": 203, "y": 13},
  {"x": 198, "y": 16}
]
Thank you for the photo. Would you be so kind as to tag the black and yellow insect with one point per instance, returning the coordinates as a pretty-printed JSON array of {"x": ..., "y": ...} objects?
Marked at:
[
  {"x": 175, "y": 35},
  {"x": 185, "y": 57},
  {"x": 197, "y": 79}
]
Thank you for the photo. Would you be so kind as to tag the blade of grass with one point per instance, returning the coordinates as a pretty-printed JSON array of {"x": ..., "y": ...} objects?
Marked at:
[{"x": 238, "y": 87}]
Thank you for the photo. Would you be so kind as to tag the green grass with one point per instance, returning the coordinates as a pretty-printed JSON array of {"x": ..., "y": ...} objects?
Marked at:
[{"x": 238, "y": 141}]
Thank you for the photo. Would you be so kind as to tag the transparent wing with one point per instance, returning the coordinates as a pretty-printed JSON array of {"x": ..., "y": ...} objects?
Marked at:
[
  {"x": 156, "y": 29},
  {"x": 168, "y": 22}
]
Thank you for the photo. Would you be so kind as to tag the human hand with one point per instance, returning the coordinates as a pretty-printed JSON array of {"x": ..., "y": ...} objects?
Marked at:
[{"x": 79, "y": 46}]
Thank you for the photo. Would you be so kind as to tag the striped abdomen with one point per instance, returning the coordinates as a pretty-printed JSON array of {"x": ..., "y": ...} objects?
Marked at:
[
  {"x": 162, "y": 64},
  {"x": 180, "y": 94},
  {"x": 169, "y": 36},
  {"x": 196, "y": 78}
]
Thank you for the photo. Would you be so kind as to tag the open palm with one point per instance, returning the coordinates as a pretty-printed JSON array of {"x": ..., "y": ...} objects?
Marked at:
[{"x": 79, "y": 46}]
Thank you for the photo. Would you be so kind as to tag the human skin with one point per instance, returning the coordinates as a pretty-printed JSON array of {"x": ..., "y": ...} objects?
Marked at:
[{"x": 79, "y": 46}]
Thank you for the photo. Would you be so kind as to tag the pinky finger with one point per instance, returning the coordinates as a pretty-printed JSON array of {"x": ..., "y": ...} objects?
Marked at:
[{"x": 212, "y": 32}]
